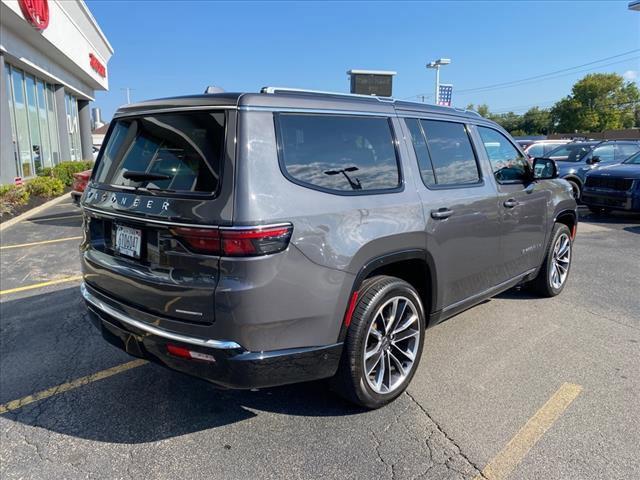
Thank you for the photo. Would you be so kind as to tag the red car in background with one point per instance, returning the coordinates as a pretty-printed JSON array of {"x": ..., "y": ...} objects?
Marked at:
[{"x": 80, "y": 181}]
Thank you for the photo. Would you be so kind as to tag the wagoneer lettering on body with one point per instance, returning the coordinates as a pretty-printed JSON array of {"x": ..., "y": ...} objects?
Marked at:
[{"x": 262, "y": 239}]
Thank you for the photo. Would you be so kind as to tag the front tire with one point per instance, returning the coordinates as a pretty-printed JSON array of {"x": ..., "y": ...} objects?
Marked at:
[
  {"x": 575, "y": 190},
  {"x": 384, "y": 343},
  {"x": 554, "y": 273}
]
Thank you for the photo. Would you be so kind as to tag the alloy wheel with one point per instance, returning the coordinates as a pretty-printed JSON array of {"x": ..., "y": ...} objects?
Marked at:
[
  {"x": 560, "y": 261},
  {"x": 392, "y": 343}
]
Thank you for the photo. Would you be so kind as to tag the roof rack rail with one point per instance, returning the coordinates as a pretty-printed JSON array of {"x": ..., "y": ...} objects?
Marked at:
[{"x": 272, "y": 90}]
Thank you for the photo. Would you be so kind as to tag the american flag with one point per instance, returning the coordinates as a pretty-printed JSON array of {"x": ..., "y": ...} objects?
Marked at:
[{"x": 444, "y": 94}]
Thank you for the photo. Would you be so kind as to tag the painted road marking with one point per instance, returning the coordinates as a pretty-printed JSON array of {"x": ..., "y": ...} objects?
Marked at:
[
  {"x": 65, "y": 387},
  {"x": 48, "y": 219},
  {"x": 44, "y": 242},
  {"x": 40, "y": 285},
  {"x": 508, "y": 459}
]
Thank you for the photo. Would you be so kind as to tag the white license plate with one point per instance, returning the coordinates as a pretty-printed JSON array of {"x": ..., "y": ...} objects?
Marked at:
[{"x": 128, "y": 241}]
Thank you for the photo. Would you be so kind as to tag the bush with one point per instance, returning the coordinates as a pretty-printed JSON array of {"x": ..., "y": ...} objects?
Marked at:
[
  {"x": 45, "y": 187},
  {"x": 65, "y": 170},
  {"x": 11, "y": 197},
  {"x": 45, "y": 172}
]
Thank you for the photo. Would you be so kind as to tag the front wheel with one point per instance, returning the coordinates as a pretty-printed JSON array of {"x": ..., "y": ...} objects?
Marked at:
[
  {"x": 554, "y": 272},
  {"x": 383, "y": 344}
]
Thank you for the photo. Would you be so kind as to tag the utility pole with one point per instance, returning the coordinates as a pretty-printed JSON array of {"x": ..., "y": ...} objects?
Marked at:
[
  {"x": 436, "y": 64},
  {"x": 128, "y": 92}
]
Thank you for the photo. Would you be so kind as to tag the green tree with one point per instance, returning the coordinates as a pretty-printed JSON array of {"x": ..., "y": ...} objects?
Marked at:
[
  {"x": 536, "y": 121},
  {"x": 599, "y": 101}
]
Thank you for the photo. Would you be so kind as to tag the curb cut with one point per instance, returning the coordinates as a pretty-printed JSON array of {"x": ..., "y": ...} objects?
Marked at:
[{"x": 34, "y": 211}]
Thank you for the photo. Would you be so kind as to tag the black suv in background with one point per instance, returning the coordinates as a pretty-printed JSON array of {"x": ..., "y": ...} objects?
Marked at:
[{"x": 267, "y": 238}]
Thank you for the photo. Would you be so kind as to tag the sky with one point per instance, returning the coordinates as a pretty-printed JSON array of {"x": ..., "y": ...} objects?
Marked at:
[{"x": 168, "y": 48}]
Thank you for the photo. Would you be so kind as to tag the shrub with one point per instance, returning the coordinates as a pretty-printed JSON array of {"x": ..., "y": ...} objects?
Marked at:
[
  {"x": 45, "y": 187},
  {"x": 12, "y": 196},
  {"x": 65, "y": 170},
  {"x": 45, "y": 172}
]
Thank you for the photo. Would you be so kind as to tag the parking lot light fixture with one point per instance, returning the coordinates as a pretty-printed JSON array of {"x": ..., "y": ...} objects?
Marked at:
[{"x": 436, "y": 64}]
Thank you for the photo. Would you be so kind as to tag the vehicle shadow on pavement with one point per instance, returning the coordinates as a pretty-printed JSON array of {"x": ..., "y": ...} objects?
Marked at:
[
  {"x": 611, "y": 218},
  {"x": 64, "y": 219},
  {"x": 47, "y": 341},
  {"x": 632, "y": 229}
]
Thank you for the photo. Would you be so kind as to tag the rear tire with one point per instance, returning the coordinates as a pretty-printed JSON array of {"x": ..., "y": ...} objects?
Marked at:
[
  {"x": 383, "y": 345},
  {"x": 554, "y": 273}
]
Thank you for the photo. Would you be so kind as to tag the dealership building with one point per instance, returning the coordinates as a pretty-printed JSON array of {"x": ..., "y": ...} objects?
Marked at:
[{"x": 53, "y": 57}]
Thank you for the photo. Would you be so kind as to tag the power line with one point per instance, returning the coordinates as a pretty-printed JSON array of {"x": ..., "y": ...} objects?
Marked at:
[
  {"x": 554, "y": 72},
  {"x": 524, "y": 81}
]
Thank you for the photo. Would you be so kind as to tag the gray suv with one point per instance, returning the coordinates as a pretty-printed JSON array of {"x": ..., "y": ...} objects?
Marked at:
[{"x": 256, "y": 240}]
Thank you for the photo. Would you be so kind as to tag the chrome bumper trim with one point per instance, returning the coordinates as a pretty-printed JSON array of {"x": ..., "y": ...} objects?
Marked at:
[{"x": 100, "y": 305}]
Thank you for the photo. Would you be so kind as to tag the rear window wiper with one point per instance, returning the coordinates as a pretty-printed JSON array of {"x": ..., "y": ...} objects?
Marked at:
[{"x": 144, "y": 176}]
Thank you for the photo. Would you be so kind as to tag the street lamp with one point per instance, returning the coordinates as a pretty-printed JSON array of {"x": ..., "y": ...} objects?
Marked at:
[{"x": 437, "y": 64}]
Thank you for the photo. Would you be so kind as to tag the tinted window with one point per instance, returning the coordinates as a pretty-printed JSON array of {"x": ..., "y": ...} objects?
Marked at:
[
  {"x": 451, "y": 153},
  {"x": 570, "y": 152},
  {"x": 625, "y": 150},
  {"x": 342, "y": 153},
  {"x": 507, "y": 163},
  {"x": 604, "y": 152},
  {"x": 422, "y": 152},
  {"x": 183, "y": 147}
]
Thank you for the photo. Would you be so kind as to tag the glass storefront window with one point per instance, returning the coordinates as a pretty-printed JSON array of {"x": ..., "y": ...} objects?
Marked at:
[
  {"x": 71, "y": 105},
  {"x": 53, "y": 124},
  {"x": 22, "y": 124},
  {"x": 44, "y": 125},
  {"x": 34, "y": 123}
]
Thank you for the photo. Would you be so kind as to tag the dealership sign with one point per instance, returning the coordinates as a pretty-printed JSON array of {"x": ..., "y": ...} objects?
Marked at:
[
  {"x": 97, "y": 65},
  {"x": 36, "y": 12}
]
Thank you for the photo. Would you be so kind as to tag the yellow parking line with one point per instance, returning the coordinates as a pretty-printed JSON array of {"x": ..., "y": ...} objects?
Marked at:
[
  {"x": 45, "y": 219},
  {"x": 44, "y": 242},
  {"x": 65, "y": 387},
  {"x": 40, "y": 285},
  {"x": 508, "y": 459}
]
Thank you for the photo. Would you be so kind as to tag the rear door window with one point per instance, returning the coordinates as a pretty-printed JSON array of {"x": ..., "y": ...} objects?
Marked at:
[
  {"x": 179, "y": 152},
  {"x": 348, "y": 154},
  {"x": 454, "y": 161}
]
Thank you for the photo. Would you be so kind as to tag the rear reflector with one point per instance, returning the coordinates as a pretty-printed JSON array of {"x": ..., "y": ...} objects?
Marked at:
[
  {"x": 182, "y": 352},
  {"x": 236, "y": 242},
  {"x": 352, "y": 306}
]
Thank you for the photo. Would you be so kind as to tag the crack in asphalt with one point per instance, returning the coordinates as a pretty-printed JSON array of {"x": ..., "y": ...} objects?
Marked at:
[{"x": 478, "y": 471}]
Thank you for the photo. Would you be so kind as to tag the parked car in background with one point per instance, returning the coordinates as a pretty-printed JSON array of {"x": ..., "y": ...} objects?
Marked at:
[
  {"x": 616, "y": 187},
  {"x": 268, "y": 238},
  {"x": 575, "y": 159},
  {"x": 80, "y": 181},
  {"x": 541, "y": 148}
]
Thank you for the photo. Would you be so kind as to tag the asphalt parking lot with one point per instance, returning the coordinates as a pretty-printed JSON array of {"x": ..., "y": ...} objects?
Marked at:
[{"x": 517, "y": 387}]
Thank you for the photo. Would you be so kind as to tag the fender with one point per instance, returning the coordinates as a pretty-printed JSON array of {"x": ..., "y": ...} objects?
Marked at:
[{"x": 389, "y": 259}]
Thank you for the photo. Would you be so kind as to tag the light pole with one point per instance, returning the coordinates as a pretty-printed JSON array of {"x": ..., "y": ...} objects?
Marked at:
[{"x": 437, "y": 64}]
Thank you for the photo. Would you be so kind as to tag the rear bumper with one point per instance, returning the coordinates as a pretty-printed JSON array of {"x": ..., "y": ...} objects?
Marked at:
[
  {"x": 229, "y": 364},
  {"x": 629, "y": 200}
]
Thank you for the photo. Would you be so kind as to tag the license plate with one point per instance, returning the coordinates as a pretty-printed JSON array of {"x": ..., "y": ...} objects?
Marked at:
[{"x": 128, "y": 241}]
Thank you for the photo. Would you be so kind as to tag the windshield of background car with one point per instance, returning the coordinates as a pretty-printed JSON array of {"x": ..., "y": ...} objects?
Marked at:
[
  {"x": 570, "y": 153},
  {"x": 633, "y": 160},
  {"x": 181, "y": 152}
]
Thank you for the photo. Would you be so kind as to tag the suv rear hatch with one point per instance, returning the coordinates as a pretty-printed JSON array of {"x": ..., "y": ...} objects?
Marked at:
[{"x": 157, "y": 196}]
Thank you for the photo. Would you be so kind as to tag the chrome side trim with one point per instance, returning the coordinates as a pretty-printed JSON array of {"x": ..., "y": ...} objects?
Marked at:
[
  {"x": 489, "y": 290},
  {"x": 138, "y": 113},
  {"x": 202, "y": 342}
]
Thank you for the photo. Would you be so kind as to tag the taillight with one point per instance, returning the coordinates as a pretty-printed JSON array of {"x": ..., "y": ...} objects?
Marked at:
[{"x": 236, "y": 242}]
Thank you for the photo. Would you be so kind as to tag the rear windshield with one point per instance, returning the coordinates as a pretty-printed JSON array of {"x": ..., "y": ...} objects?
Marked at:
[{"x": 176, "y": 152}]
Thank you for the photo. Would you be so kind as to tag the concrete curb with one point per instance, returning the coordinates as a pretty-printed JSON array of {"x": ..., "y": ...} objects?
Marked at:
[{"x": 34, "y": 211}]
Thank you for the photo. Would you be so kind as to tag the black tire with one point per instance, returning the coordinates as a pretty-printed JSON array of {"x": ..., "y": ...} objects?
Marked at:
[
  {"x": 350, "y": 380},
  {"x": 542, "y": 284},
  {"x": 577, "y": 191},
  {"x": 598, "y": 210}
]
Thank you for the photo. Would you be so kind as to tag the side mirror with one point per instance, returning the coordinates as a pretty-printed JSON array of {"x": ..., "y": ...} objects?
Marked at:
[
  {"x": 593, "y": 160},
  {"x": 544, "y": 169}
]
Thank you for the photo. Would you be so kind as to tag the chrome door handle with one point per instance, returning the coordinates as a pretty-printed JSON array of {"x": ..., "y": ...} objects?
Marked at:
[
  {"x": 512, "y": 202},
  {"x": 441, "y": 213}
]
